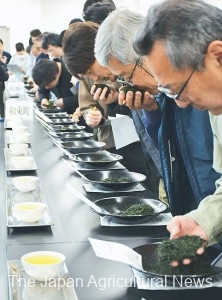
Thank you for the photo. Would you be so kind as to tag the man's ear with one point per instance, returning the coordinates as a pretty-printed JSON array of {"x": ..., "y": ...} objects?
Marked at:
[{"x": 215, "y": 50}]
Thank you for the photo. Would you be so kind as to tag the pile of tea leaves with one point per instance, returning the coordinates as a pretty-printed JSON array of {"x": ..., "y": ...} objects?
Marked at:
[
  {"x": 138, "y": 210},
  {"x": 197, "y": 267},
  {"x": 180, "y": 248},
  {"x": 50, "y": 104},
  {"x": 177, "y": 250},
  {"x": 117, "y": 179}
]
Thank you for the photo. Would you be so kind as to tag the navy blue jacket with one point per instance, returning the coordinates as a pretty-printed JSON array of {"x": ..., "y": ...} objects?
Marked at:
[
  {"x": 8, "y": 55},
  {"x": 185, "y": 142}
]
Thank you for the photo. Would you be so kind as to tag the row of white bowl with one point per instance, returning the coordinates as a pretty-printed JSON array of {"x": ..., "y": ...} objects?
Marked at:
[
  {"x": 19, "y": 147},
  {"x": 20, "y": 134},
  {"x": 19, "y": 130},
  {"x": 29, "y": 211},
  {"x": 40, "y": 265}
]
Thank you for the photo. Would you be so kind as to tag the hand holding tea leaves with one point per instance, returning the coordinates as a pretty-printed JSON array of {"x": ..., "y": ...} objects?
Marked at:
[
  {"x": 184, "y": 225},
  {"x": 136, "y": 99},
  {"x": 103, "y": 92},
  {"x": 44, "y": 103},
  {"x": 179, "y": 248}
]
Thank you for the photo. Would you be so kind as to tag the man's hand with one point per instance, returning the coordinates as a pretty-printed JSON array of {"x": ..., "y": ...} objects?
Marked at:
[
  {"x": 44, "y": 103},
  {"x": 35, "y": 88},
  {"x": 59, "y": 102},
  {"x": 100, "y": 94},
  {"x": 185, "y": 225},
  {"x": 137, "y": 101},
  {"x": 76, "y": 115},
  {"x": 93, "y": 117}
]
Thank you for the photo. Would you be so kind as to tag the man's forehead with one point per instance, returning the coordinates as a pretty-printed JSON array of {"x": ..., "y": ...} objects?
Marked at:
[{"x": 117, "y": 67}]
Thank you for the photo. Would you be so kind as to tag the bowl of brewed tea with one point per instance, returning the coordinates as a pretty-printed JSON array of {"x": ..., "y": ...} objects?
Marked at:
[
  {"x": 43, "y": 265},
  {"x": 29, "y": 212},
  {"x": 25, "y": 183}
]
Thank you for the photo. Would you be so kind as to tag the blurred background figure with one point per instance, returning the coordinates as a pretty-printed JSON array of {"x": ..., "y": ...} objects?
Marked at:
[
  {"x": 39, "y": 42},
  {"x": 3, "y": 77},
  {"x": 21, "y": 58},
  {"x": 35, "y": 52},
  {"x": 51, "y": 43},
  {"x": 4, "y": 56},
  {"x": 34, "y": 34}
]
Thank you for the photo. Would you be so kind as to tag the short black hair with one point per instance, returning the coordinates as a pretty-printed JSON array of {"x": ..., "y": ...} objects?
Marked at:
[
  {"x": 75, "y": 20},
  {"x": 51, "y": 39},
  {"x": 19, "y": 47},
  {"x": 88, "y": 3},
  {"x": 98, "y": 12},
  {"x": 1, "y": 41},
  {"x": 61, "y": 35},
  {"x": 44, "y": 72},
  {"x": 35, "y": 32}
]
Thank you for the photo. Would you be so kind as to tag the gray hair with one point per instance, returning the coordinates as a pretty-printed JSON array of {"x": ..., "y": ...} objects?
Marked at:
[
  {"x": 115, "y": 37},
  {"x": 186, "y": 27}
]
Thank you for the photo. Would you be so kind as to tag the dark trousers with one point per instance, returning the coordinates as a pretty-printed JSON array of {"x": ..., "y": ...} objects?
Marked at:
[{"x": 2, "y": 105}]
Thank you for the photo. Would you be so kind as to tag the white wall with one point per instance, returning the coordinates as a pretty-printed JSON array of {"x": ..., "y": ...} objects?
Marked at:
[{"x": 21, "y": 16}]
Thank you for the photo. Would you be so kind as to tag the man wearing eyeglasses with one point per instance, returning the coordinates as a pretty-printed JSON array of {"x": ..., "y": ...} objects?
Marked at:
[
  {"x": 186, "y": 60},
  {"x": 187, "y": 171},
  {"x": 78, "y": 46}
]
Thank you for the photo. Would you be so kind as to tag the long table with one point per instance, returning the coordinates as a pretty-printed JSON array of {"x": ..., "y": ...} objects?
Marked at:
[{"x": 74, "y": 223}]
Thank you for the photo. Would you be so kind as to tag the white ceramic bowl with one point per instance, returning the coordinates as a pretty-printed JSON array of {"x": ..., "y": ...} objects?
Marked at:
[
  {"x": 19, "y": 129},
  {"x": 29, "y": 212},
  {"x": 18, "y": 149},
  {"x": 43, "y": 265},
  {"x": 25, "y": 183},
  {"x": 22, "y": 162},
  {"x": 22, "y": 137}
]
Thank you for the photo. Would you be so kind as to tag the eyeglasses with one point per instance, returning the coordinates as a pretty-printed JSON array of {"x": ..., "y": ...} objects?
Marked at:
[
  {"x": 128, "y": 82},
  {"x": 177, "y": 95}
]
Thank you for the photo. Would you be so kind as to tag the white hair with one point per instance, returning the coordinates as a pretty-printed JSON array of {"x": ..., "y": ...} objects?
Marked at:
[{"x": 115, "y": 37}]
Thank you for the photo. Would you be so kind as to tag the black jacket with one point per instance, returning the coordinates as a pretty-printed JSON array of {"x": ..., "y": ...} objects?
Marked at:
[
  {"x": 62, "y": 90},
  {"x": 3, "y": 72}
]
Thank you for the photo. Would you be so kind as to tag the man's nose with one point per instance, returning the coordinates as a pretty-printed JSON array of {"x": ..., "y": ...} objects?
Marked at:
[{"x": 94, "y": 77}]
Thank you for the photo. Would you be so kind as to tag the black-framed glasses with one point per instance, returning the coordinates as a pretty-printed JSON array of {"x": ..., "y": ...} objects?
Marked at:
[
  {"x": 128, "y": 82},
  {"x": 177, "y": 95}
]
